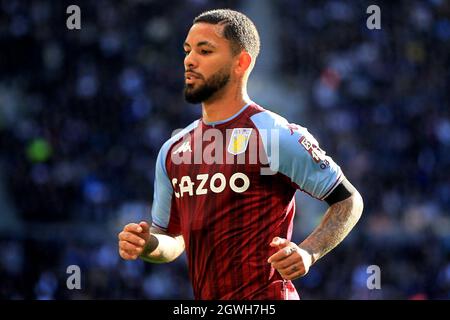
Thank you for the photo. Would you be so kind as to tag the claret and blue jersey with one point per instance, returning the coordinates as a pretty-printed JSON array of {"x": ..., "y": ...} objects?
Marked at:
[{"x": 228, "y": 187}]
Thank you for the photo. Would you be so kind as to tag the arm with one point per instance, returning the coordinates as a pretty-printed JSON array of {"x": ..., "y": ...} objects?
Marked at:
[
  {"x": 162, "y": 247},
  {"x": 339, "y": 219},
  {"x": 150, "y": 244},
  {"x": 294, "y": 261},
  {"x": 297, "y": 155}
]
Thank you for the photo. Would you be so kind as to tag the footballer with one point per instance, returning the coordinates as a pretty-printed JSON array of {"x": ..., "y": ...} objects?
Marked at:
[{"x": 224, "y": 186}]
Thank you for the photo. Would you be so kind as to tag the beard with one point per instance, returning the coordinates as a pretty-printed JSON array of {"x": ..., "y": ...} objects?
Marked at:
[{"x": 206, "y": 90}]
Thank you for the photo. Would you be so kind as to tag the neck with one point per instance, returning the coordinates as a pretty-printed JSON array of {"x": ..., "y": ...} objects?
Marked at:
[{"x": 225, "y": 103}]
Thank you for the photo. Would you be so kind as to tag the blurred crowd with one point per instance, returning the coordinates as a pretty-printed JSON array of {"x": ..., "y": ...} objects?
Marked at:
[{"x": 83, "y": 114}]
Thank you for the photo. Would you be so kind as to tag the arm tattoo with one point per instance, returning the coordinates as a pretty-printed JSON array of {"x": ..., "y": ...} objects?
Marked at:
[{"x": 339, "y": 219}]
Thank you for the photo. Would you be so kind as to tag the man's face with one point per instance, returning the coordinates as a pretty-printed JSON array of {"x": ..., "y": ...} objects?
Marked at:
[{"x": 208, "y": 62}]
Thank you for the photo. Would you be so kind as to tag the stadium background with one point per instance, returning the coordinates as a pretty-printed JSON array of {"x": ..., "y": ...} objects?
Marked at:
[{"x": 83, "y": 114}]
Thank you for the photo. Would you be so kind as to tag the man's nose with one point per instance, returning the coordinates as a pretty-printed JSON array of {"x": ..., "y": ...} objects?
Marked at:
[{"x": 190, "y": 62}]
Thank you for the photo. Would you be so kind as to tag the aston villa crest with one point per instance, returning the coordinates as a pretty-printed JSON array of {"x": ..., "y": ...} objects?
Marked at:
[{"x": 239, "y": 140}]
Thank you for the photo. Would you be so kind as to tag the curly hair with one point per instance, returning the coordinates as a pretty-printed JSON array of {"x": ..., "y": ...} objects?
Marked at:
[{"x": 239, "y": 29}]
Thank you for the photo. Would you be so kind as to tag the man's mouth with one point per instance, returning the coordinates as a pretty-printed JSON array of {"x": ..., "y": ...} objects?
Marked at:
[
  {"x": 190, "y": 80},
  {"x": 191, "y": 77}
]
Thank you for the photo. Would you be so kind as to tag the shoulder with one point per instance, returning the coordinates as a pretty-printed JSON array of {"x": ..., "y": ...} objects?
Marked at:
[
  {"x": 268, "y": 121},
  {"x": 177, "y": 136},
  {"x": 181, "y": 134}
]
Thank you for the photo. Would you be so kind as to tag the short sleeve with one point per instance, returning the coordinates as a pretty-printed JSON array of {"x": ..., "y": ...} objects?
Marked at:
[
  {"x": 295, "y": 153},
  {"x": 164, "y": 216},
  {"x": 164, "y": 213}
]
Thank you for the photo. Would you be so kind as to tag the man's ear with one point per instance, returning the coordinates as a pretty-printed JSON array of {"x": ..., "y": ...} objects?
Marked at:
[{"x": 243, "y": 63}]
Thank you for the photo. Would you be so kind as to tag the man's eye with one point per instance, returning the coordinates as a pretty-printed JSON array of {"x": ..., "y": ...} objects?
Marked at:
[
  {"x": 206, "y": 52},
  {"x": 186, "y": 53}
]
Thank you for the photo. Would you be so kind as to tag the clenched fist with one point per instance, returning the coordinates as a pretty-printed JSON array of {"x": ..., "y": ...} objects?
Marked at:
[
  {"x": 132, "y": 240},
  {"x": 290, "y": 261}
]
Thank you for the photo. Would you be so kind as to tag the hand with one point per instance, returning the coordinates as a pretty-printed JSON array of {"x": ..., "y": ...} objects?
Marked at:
[
  {"x": 290, "y": 261},
  {"x": 133, "y": 239}
]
